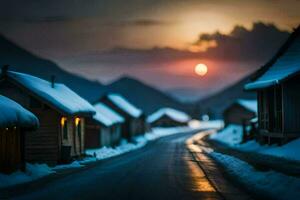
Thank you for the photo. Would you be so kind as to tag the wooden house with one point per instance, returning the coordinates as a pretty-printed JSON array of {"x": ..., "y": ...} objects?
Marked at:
[
  {"x": 15, "y": 122},
  {"x": 277, "y": 85},
  {"x": 134, "y": 123},
  {"x": 104, "y": 128},
  {"x": 240, "y": 112},
  {"x": 168, "y": 117},
  {"x": 61, "y": 113}
]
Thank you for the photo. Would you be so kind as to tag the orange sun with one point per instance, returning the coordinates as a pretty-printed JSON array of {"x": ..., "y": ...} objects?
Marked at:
[{"x": 201, "y": 69}]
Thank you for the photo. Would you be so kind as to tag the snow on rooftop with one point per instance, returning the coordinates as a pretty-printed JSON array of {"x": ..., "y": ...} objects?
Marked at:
[
  {"x": 123, "y": 104},
  {"x": 103, "y": 119},
  {"x": 109, "y": 113},
  {"x": 13, "y": 114},
  {"x": 248, "y": 104},
  {"x": 175, "y": 115},
  {"x": 59, "y": 96},
  {"x": 286, "y": 65}
]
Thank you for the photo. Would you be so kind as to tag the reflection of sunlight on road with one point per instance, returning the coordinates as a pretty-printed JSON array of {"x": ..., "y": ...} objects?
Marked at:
[
  {"x": 198, "y": 178},
  {"x": 199, "y": 181},
  {"x": 192, "y": 145}
]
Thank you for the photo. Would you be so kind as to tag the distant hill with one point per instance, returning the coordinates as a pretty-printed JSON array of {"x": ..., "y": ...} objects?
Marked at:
[
  {"x": 186, "y": 94},
  {"x": 142, "y": 95},
  {"x": 22, "y": 60},
  {"x": 214, "y": 105}
]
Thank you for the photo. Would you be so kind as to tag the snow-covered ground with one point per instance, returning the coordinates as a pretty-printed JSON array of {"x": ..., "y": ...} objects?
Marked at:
[
  {"x": 35, "y": 171},
  {"x": 213, "y": 124},
  {"x": 288, "y": 151},
  {"x": 231, "y": 135},
  {"x": 272, "y": 184}
]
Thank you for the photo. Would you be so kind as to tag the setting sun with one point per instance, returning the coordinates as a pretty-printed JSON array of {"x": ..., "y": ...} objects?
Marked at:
[{"x": 201, "y": 69}]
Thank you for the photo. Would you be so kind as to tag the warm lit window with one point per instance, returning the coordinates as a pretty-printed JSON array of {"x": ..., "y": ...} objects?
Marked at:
[
  {"x": 64, "y": 127},
  {"x": 78, "y": 126}
]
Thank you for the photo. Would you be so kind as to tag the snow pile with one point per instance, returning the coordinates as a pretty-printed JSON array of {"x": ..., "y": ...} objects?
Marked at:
[
  {"x": 59, "y": 96},
  {"x": 231, "y": 135},
  {"x": 272, "y": 184},
  {"x": 123, "y": 104},
  {"x": 33, "y": 172},
  {"x": 175, "y": 115},
  {"x": 250, "y": 105},
  {"x": 109, "y": 113},
  {"x": 139, "y": 141},
  {"x": 288, "y": 151},
  {"x": 13, "y": 114},
  {"x": 75, "y": 164},
  {"x": 212, "y": 124}
]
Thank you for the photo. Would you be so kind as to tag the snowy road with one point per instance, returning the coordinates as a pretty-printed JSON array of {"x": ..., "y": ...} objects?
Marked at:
[{"x": 163, "y": 169}]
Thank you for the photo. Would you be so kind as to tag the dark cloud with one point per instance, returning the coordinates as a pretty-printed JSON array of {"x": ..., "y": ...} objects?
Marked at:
[
  {"x": 46, "y": 19},
  {"x": 259, "y": 43},
  {"x": 140, "y": 22}
]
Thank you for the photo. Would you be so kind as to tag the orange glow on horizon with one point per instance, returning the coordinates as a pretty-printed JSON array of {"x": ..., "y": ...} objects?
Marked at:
[{"x": 201, "y": 69}]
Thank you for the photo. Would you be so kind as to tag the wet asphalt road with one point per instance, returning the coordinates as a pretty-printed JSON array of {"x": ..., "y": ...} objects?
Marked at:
[{"x": 163, "y": 169}]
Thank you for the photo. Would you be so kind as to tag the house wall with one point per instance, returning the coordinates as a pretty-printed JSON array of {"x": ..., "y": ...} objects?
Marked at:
[
  {"x": 11, "y": 149},
  {"x": 236, "y": 114},
  {"x": 73, "y": 138},
  {"x": 126, "y": 126},
  {"x": 43, "y": 145},
  {"x": 116, "y": 134},
  {"x": 291, "y": 103},
  {"x": 79, "y": 137},
  {"x": 105, "y": 135},
  {"x": 92, "y": 135},
  {"x": 98, "y": 135}
]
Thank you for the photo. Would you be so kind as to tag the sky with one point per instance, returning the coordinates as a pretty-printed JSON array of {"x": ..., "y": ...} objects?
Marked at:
[{"x": 158, "y": 42}]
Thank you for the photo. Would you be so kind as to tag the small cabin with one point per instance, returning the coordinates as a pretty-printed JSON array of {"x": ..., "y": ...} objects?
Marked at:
[
  {"x": 134, "y": 123},
  {"x": 168, "y": 117},
  {"x": 277, "y": 85},
  {"x": 15, "y": 123},
  {"x": 61, "y": 113},
  {"x": 240, "y": 112},
  {"x": 104, "y": 128}
]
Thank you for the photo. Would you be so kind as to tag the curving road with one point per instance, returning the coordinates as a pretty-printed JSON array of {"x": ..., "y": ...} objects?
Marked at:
[{"x": 163, "y": 169}]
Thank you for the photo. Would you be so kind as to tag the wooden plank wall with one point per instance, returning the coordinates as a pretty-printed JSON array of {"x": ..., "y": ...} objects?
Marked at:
[
  {"x": 10, "y": 150},
  {"x": 291, "y": 102},
  {"x": 43, "y": 145},
  {"x": 92, "y": 135}
]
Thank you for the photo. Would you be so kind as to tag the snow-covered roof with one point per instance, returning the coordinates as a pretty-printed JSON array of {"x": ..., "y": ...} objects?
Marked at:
[
  {"x": 59, "y": 96},
  {"x": 13, "y": 114},
  {"x": 175, "y": 115},
  {"x": 287, "y": 64},
  {"x": 124, "y": 105},
  {"x": 248, "y": 104},
  {"x": 106, "y": 116}
]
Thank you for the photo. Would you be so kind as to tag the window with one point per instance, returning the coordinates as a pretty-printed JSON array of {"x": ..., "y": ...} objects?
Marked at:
[
  {"x": 78, "y": 126},
  {"x": 64, "y": 127}
]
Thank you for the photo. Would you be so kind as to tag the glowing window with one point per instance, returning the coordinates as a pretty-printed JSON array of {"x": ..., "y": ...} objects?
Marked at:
[
  {"x": 64, "y": 127},
  {"x": 78, "y": 126}
]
